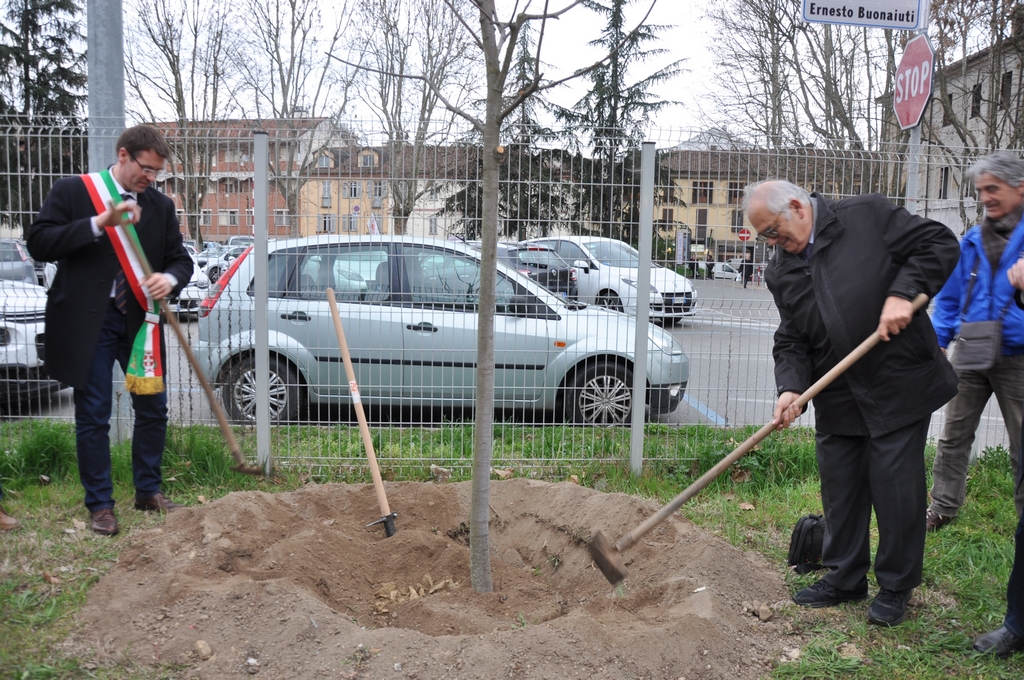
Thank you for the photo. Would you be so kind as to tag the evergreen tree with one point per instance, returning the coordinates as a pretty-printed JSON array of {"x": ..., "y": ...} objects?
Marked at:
[
  {"x": 612, "y": 116},
  {"x": 42, "y": 94}
]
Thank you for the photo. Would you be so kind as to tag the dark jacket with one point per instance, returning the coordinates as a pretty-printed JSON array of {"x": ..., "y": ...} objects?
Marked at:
[
  {"x": 865, "y": 250},
  {"x": 78, "y": 299}
]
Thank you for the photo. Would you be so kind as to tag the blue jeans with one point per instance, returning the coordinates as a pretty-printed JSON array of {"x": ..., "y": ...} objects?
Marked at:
[{"x": 92, "y": 421}]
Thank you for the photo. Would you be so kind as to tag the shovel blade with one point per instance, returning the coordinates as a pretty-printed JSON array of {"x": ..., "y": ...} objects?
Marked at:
[{"x": 607, "y": 558}]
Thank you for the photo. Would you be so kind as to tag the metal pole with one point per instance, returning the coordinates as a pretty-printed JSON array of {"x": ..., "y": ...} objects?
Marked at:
[
  {"x": 913, "y": 151},
  {"x": 105, "y": 63},
  {"x": 261, "y": 192},
  {"x": 643, "y": 308}
]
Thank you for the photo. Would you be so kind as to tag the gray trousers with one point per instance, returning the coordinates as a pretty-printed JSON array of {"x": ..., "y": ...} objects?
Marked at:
[
  {"x": 887, "y": 473},
  {"x": 963, "y": 413}
]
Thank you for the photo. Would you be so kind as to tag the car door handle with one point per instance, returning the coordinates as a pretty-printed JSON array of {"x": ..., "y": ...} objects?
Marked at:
[
  {"x": 423, "y": 327},
  {"x": 296, "y": 316}
]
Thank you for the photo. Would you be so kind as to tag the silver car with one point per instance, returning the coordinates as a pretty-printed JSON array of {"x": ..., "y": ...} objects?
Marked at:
[{"x": 409, "y": 310}]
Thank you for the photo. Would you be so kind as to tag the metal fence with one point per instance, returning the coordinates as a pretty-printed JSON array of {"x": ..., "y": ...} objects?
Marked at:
[{"x": 409, "y": 304}]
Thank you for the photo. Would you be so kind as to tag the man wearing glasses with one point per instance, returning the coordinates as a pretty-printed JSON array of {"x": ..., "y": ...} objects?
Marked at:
[
  {"x": 842, "y": 270},
  {"x": 102, "y": 308}
]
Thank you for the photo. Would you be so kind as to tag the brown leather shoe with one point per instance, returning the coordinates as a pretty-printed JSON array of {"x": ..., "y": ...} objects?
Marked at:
[
  {"x": 8, "y": 523},
  {"x": 104, "y": 522},
  {"x": 936, "y": 521},
  {"x": 157, "y": 501}
]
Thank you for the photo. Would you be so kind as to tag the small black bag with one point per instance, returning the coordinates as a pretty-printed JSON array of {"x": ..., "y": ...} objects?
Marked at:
[
  {"x": 805, "y": 544},
  {"x": 979, "y": 344}
]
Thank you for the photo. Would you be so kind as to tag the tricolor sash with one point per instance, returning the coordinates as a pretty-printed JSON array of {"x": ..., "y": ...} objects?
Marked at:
[{"x": 145, "y": 373}]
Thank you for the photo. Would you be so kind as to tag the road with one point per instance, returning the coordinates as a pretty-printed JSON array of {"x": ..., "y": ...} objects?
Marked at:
[{"x": 728, "y": 342}]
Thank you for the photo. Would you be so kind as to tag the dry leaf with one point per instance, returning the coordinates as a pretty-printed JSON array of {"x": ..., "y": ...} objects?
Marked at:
[
  {"x": 746, "y": 506},
  {"x": 503, "y": 474},
  {"x": 729, "y": 496},
  {"x": 79, "y": 524},
  {"x": 739, "y": 475},
  {"x": 44, "y": 480},
  {"x": 201, "y": 498},
  {"x": 574, "y": 479},
  {"x": 51, "y": 579}
]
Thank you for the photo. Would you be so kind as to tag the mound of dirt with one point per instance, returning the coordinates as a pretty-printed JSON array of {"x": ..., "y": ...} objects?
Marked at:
[{"x": 294, "y": 585}]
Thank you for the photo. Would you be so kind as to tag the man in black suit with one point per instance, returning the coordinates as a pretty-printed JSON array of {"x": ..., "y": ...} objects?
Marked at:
[{"x": 100, "y": 309}]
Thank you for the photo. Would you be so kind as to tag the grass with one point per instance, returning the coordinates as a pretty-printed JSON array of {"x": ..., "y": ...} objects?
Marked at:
[{"x": 47, "y": 568}]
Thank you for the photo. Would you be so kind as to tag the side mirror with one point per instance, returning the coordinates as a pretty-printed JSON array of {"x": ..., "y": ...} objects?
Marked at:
[{"x": 582, "y": 265}]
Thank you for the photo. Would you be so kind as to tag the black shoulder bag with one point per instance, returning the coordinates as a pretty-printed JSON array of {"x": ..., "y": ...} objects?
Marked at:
[{"x": 805, "y": 544}]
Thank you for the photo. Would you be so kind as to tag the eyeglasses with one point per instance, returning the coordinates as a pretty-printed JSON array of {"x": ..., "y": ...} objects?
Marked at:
[
  {"x": 770, "y": 232},
  {"x": 153, "y": 173}
]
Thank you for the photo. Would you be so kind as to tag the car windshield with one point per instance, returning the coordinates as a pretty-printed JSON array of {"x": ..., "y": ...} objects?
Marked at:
[
  {"x": 542, "y": 258},
  {"x": 614, "y": 254}
]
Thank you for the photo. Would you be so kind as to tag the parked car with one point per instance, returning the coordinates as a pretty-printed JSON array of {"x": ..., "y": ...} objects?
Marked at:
[
  {"x": 216, "y": 266},
  {"x": 188, "y": 301},
  {"x": 540, "y": 263},
  {"x": 15, "y": 262},
  {"x": 409, "y": 310},
  {"x": 22, "y": 327},
  {"x": 240, "y": 241},
  {"x": 719, "y": 270},
  {"x": 607, "y": 272}
]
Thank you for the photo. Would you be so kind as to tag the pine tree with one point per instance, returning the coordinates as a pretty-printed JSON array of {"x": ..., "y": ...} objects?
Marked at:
[
  {"x": 612, "y": 116},
  {"x": 42, "y": 60}
]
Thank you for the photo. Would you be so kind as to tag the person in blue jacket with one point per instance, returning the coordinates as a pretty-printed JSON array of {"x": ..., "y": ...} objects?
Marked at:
[{"x": 979, "y": 290}]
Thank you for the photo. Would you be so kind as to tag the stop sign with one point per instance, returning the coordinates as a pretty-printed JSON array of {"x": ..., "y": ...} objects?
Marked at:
[
  {"x": 913, "y": 85},
  {"x": 743, "y": 234}
]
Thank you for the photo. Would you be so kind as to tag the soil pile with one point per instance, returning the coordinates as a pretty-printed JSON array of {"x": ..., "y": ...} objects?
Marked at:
[{"x": 295, "y": 585}]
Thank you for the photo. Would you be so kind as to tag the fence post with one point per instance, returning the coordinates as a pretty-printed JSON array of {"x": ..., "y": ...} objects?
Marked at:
[
  {"x": 105, "y": 57},
  {"x": 261, "y": 186},
  {"x": 643, "y": 308}
]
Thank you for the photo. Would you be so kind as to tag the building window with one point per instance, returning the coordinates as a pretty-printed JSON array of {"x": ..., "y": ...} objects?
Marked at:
[
  {"x": 181, "y": 216},
  {"x": 378, "y": 189},
  {"x": 366, "y": 161},
  {"x": 702, "y": 224},
  {"x": 668, "y": 215},
  {"x": 351, "y": 189},
  {"x": 281, "y": 218},
  {"x": 735, "y": 193},
  {"x": 737, "y": 218},
  {"x": 702, "y": 192},
  {"x": 350, "y": 223},
  {"x": 249, "y": 218},
  {"x": 1006, "y": 89},
  {"x": 432, "y": 226},
  {"x": 324, "y": 161},
  {"x": 230, "y": 217},
  {"x": 326, "y": 224},
  {"x": 325, "y": 194},
  {"x": 230, "y": 185},
  {"x": 976, "y": 101},
  {"x": 944, "y": 182},
  {"x": 205, "y": 218}
]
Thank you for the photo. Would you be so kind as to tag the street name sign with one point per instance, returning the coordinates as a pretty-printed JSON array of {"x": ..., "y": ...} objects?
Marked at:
[{"x": 905, "y": 15}]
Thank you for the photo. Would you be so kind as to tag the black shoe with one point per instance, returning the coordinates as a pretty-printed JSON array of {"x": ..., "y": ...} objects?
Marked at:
[
  {"x": 1001, "y": 641},
  {"x": 824, "y": 594},
  {"x": 889, "y": 607}
]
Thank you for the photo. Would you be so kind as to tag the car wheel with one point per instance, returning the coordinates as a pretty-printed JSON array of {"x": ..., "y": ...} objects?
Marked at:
[
  {"x": 213, "y": 274},
  {"x": 286, "y": 397},
  {"x": 601, "y": 393},
  {"x": 608, "y": 298}
]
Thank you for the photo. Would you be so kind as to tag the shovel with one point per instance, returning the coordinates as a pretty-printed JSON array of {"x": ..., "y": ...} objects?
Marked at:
[
  {"x": 608, "y": 557},
  {"x": 387, "y": 517},
  {"x": 218, "y": 411}
]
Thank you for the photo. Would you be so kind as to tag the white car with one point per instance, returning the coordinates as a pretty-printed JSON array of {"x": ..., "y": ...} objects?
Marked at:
[
  {"x": 720, "y": 270},
  {"x": 607, "y": 272},
  {"x": 216, "y": 266},
  {"x": 22, "y": 324},
  {"x": 192, "y": 294}
]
